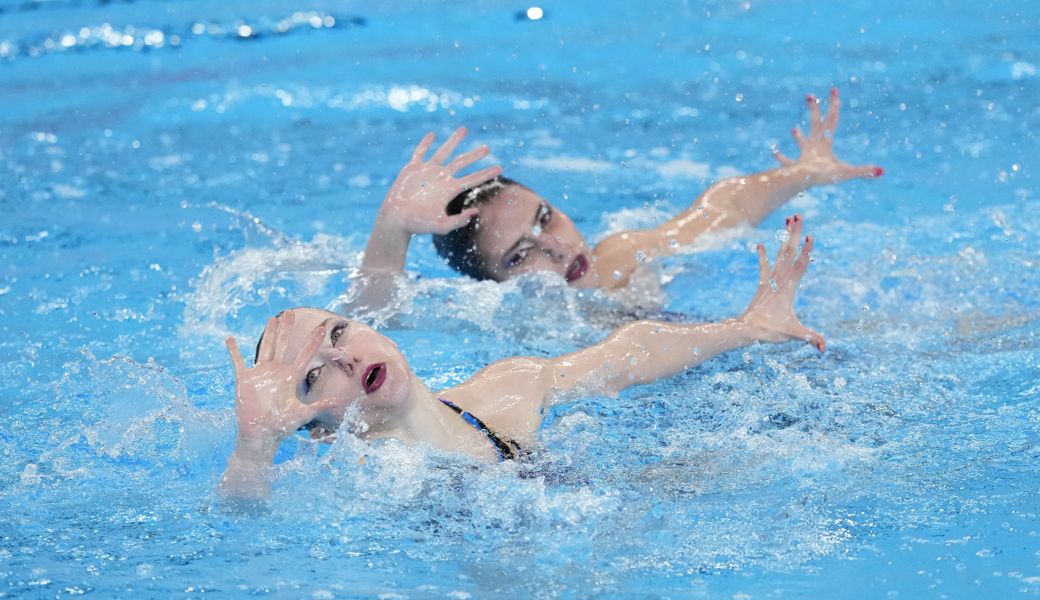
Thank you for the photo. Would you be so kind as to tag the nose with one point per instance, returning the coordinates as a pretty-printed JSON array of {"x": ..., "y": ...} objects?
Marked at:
[
  {"x": 552, "y": 246},
  {"x": 342, "y": 358}
]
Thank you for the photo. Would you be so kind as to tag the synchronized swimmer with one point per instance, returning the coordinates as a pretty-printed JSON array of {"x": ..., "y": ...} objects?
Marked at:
[
  {"x": 316, "y": 367},
  {"x": 491, "y": 227}
]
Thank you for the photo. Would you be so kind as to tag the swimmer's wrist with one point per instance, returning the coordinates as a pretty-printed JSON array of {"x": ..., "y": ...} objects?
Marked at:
[
  {"x": 742, "y": 330},
  {"x": 747, "y": 331},
  {"x": 254, "y": 449}
]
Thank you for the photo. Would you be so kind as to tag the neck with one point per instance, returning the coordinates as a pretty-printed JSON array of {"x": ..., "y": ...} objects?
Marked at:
[{"x": 424, "y": 419}]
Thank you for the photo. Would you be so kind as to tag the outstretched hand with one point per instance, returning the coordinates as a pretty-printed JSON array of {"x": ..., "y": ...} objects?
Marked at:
[
  {"x": 266, "y": 402},
  {"x": 418, "y": 197},
  {"x": 817, "y": 150},
  {"x": 771, "y": 312}
]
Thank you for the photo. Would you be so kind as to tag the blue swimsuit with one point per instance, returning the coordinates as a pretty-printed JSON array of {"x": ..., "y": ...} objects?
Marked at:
[{"x": 506, "y": 449}]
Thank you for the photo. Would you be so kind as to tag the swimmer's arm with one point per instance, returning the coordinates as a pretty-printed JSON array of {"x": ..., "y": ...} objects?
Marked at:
[
  {"x": 742, "y": 200},
  {"x": 751, "y": 198},
  {"x": 645, "y": 351},
  {"x": 417, "y": 200},
  {"x": 267, "y": 409}
]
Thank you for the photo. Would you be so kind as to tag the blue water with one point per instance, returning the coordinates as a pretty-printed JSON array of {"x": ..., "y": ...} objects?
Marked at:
[{"x": 168, "y": 180}]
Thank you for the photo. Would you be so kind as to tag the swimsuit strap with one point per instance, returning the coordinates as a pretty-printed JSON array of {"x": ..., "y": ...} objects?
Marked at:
[{"x": 506, "y": 449}]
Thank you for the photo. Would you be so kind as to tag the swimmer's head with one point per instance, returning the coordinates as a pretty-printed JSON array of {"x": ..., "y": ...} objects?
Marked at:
[
  {"x": 362, "y": 369},
  {"x": 516, "y": 232}
]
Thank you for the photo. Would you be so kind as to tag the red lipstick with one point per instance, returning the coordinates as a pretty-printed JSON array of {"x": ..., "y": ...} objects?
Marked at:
[
  {"x": 374, "y": 377},
  {"x": 577, "y": 268}
]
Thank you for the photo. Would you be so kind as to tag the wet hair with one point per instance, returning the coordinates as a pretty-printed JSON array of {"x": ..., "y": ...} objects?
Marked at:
[{"x": 458, "y": 248}]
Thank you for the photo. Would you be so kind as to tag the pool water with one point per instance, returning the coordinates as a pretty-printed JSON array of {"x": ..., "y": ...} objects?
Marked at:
[{"x": 176, "y": 171}]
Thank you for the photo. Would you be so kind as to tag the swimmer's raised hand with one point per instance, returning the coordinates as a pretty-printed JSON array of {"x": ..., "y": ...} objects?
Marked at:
[
  {"x": 267, "y": 407},
  {"x": 418, "y": 198},
  {"x": 266, "y": 403},
  {"x": 771, "y": 312},
  {"x": 817, "y": 150}
]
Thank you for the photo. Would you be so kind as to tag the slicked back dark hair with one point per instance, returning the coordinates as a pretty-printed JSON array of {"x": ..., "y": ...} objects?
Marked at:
[{"x": 459, "y": 247}]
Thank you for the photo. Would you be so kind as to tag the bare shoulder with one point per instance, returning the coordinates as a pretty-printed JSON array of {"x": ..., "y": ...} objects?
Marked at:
[
  {"x": 511, "y": 376},
  {"x": 617, "y": 256},
  {"x": 508, "y": 395}
]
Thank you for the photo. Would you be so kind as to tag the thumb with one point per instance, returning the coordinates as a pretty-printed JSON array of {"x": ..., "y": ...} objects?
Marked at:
[
  {"x": 814, "y": 338},
  {"x": 325, "y": 405},
  {"x": 866, "y": 171}
]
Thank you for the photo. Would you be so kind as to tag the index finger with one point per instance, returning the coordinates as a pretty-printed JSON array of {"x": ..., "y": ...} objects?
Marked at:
[
  {"x": 266, "y": 351},
  {"x": 303, "y": 358},
  {"x": 814, "y": 115}
]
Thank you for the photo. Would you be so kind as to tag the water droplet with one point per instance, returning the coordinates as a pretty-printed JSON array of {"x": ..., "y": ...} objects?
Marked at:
[
  {"x": 839, "y": 382},
  {"x": 747, "y": 358},
  {"x": 535, "y": 13},
  {"x": 633, "y": 361},
  {"x": 739, "y": 97},
  {"x": 640, "y": 256},
  {"x": 773, "y": 285},
  {"x": 617, "y": 275}
]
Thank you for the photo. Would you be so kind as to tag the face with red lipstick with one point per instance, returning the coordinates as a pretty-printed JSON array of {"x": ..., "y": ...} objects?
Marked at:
[
  {"x": 354, "y": 364},
  {"x": 521, "y": 233}
]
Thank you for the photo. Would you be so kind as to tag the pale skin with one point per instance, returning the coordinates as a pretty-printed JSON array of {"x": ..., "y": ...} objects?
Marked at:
[
  {"x": 316, "y": 366},
  {"x": 521, "y": 232},
  {"x": 415, "y": 205}
]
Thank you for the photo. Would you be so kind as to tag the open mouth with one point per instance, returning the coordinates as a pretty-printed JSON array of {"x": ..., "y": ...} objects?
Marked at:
[
  {"x": 374, "y": 377},
  {"x": 577, "y": 268}
]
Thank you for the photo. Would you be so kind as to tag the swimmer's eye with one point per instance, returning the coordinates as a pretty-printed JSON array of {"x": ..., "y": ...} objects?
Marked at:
[
  {"x": 312, "y": 378},
  {"x": 545, "y": 215},
  {"x": 517, "y": 258},
  {"x": 337, "y": 332}
]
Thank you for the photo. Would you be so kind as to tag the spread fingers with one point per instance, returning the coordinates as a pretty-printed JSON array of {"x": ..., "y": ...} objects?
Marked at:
[{"x": 449, "y": 146}]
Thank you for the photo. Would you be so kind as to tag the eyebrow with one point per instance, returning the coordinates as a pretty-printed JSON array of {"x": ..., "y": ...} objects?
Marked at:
[{"x": 534, "y": 222}]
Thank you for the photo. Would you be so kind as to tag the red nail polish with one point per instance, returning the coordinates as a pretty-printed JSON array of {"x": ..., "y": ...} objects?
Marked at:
[
  {"x": 787, "y": 221},
  {"x": 834, "y": 92},
  {"x": 810, "y": 98},
  {"x": 878, "y": 171},
  {"x": 796, "y": 217},
  {"x": 808, "y": 239}
]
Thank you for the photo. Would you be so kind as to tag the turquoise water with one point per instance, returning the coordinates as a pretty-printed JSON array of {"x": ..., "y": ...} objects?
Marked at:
[{"x": 162, "y": 191}]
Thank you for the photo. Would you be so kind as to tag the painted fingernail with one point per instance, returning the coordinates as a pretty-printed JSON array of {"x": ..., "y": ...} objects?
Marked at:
[
  {"x": 810, "y": 98},
  {"x": 834, "y": 91},
  {"x": 878, "y": 171},
  {"x": 787, "y": 221},
  {"x": 808, "y": 239},
  {"x": 794, "y": 131},
  {"x": 796, "y": 217}
]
